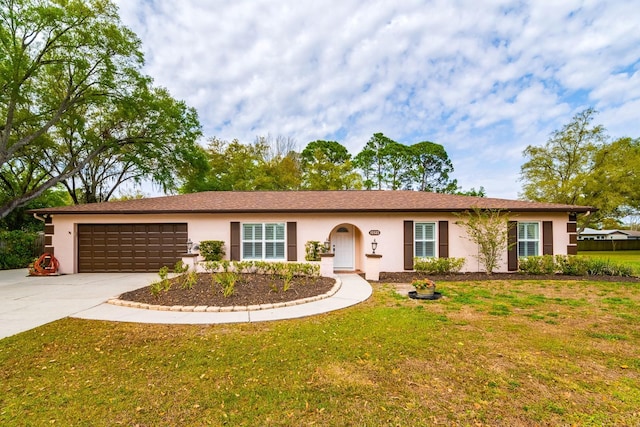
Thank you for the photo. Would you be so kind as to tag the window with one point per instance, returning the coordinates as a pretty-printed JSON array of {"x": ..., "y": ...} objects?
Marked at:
[
  {"x": 425, "y": 239},
  {"x": 528, "y": 239},
  {"x": 263, "y": 241}
]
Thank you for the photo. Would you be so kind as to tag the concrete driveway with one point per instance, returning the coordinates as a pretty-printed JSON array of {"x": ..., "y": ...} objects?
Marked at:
[{"x": 28, "y": 302}]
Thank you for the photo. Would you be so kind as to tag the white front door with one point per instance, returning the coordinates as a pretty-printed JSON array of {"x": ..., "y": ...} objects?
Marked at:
[{"x": 344, "y": 248}]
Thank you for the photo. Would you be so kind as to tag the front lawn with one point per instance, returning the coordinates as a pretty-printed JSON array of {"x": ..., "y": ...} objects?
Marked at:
[{"x": 488, "y": 353}]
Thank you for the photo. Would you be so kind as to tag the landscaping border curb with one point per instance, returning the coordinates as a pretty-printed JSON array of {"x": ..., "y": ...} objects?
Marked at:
[{"x": 213, "y": 309}]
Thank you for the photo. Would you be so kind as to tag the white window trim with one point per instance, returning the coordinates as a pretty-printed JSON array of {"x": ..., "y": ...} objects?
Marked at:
[
  {"x": 435, "y": 238},
  {"x": 538, "y": 240},
  {"x": 264, "y": 241}
]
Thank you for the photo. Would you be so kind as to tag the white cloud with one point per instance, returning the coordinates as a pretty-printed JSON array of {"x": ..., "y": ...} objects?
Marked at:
[
  {"x": 484, "y": 78},
  {"x": 618, "y": 89}
]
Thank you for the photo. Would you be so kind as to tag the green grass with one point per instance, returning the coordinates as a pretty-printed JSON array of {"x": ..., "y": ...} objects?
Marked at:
[
  {"x": 630, "y": 258},
  {"x": 488, "y": 353}
]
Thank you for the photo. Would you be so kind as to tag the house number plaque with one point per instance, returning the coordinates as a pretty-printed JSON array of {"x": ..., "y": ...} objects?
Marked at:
[{"x": 374, "y": 232}]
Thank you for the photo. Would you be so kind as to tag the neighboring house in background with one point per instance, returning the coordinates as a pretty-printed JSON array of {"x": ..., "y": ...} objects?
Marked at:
[
  {"x": 593, "y": 234},
  {"x": 145, "y": 234}
]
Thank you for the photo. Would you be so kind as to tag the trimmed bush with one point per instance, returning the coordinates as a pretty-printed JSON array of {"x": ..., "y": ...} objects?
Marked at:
[
  {"x": 438, "y": 265},
  {"x": 537, "y": 264},
  {"x": 212, "y": 250},
  {"x": 275, "y": 268},
  {"x": 571, "y": 265}
]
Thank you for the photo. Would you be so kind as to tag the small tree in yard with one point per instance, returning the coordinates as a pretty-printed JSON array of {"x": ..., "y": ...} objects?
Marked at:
[{"x": 489, "y": 229}]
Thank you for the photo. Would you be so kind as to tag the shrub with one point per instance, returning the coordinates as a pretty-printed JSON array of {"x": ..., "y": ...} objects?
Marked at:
[
  {"x": 244, "y": 266},
  {"x": 227, "y": 280},
  {"x": 218, "y": 266},
  {"x": 164, "y": 284},
  {"x": 155, "y": 288},
  {"x": 309, "y": 270},
  {"x": 164, "y": 278},
  {"x": 290, "y": 270},
  {"x": 212, "y": 266},
  {"x": 180, "y": 267},
  {"x": 212, "y": 250},
  {"x": 285, "y": 271},
  {"x": 547, "y": 264},
  {"x": 313, "y": 249},
  {"x": 600, "y": 267},
  {"x": 438, "y": 265},
  {"x": 537, "y": 265},
  {"x": 16, "y": 249},
  {"x": 264, "y": 267},
  {"x": 489, "y": 230},
  {"x": 189, "y": 280},
  {"x": 287, "y": 275},
  {"x": 571, "y": 265}
]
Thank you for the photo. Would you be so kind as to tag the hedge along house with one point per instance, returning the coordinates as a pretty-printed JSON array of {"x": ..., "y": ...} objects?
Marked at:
[{"x": 146, "y": 234}]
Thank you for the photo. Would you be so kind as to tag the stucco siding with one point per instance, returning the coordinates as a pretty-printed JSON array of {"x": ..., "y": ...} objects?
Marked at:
[{"x": 310, "y": 226}]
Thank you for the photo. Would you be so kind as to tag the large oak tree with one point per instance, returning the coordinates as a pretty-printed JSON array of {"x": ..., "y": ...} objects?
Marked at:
[
  {"x": 72, "y": 96},
  {"x": 579, "y": 165}
]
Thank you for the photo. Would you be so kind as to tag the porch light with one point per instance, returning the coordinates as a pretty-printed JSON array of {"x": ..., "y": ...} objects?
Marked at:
[
  {"x": 374, "y": 246},
  {"x": 189, "y": 246}
]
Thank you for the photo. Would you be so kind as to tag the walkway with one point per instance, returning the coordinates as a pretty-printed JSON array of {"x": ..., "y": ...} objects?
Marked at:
[
  {"x": 354, "y": 290},
  {"x": 28, "y": 302}
]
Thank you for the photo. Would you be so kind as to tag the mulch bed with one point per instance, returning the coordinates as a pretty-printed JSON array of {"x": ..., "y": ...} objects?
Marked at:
[
  {"x": 251, "y": 289},
  {"x": 408, "y": 277}
]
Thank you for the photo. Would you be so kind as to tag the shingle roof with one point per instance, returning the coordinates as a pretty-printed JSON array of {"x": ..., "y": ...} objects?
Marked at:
[
  {"x": 310, "y": 201},
  {"x": 594, "y": 232}
]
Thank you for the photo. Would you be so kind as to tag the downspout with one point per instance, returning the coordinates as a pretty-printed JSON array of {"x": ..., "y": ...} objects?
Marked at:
[
  {"x": 41, "y": 233},
  {"x": 41, "y": 218}
]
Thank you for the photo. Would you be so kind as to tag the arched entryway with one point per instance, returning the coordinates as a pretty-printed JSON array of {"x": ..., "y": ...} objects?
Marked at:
[{"x": 344, "y": 244}]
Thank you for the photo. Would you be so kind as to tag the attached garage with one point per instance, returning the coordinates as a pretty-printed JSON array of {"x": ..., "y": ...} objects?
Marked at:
[{"x": 130, "y": 247}]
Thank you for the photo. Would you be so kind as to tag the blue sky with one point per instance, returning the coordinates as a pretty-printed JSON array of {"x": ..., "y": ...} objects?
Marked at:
[{"x": 483, "y": 78}]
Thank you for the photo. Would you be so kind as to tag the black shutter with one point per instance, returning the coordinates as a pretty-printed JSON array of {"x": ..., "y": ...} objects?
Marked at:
[
  {"x": 235, "y": 242},
  {"x": 408, "y": 245},
  {"x": 292, "y": 248},
  {"x": 547, "y": 238},
  {"x": 443, "y": 239},
  {"x": 512, "y": 242}
]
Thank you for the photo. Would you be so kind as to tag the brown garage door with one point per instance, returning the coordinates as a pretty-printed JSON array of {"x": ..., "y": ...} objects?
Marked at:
[{"x": 129, "y": 247}]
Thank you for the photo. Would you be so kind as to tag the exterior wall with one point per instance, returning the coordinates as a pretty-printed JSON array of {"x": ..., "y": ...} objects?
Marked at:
[{"x": 310, "y": 227}]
